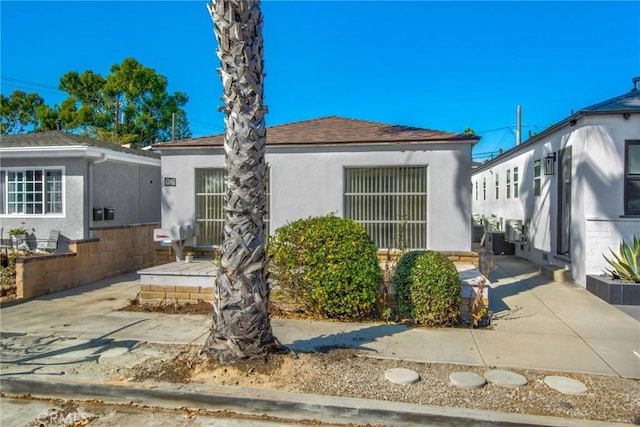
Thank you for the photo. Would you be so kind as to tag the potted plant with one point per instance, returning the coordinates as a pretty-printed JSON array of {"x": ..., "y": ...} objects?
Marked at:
[
  {"x": 188, "y": 257},
  {"x": 621, "y": 282},
  {"x": 19, "y": 233}
]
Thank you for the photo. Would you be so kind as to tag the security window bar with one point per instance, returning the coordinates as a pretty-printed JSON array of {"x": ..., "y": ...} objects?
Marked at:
[
  {"x": 632, "y": 178},
  {"x": 537, "y": 167},
  {"x": 210, "y": 193},
  {"x": 33, "y": 192},
  {"x": 515, "y": 182},
  {"x": 390, "y": 202}
]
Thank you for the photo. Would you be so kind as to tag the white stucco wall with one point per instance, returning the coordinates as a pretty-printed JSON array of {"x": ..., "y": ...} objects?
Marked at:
[
  {"x": 305, "y": 183},
  {"x": 597, "y": 200},
  {"x": 132, "y": 190}
]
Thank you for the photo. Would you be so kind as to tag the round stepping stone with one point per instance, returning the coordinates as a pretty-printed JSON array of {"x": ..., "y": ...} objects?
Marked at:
[
  {"x": 467, "y": 380},
  {"x": 565, "y": 385},
  {"x": 505, "y": 378},
  {"x": 402, "y": 376}
]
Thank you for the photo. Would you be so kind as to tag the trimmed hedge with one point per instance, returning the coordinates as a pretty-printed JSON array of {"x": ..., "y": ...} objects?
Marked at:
[
  {"x": 401, "y": 282},
  {"x": 435, "y": 290},
  {"x": 427, "y": 288},
  {"x": 328, "y": 265}
]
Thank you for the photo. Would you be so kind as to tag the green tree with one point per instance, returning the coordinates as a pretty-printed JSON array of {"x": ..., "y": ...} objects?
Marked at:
[
  {"x": 19, "y": 112},
  {"x": 241, "y": 324},
  {"x": 130, "y": 105}
]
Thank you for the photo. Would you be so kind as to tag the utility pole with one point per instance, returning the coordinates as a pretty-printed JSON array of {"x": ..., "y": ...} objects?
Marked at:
[
  {"x": 117, "y": 118},
  {"x": 173, "y": 126},
  {"x": 519, "y": 126}
]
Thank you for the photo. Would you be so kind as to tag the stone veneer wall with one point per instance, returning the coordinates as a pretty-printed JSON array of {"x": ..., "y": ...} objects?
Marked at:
[
  {"x": 458, "y": 258},
  {"x": 156, "y": 294},
  {"x": 114, "y": 251}
]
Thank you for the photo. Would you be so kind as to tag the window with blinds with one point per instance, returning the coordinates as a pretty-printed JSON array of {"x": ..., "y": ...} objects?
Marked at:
[
  {"x": 210, "y": 190},
  {"x": 390, "y": 202}
]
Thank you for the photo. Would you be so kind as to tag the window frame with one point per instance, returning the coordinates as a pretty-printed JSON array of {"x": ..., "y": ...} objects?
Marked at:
[
  {"x": 497, "y": 190},
  {"x": 629, "y": 177},
  {"x": 537, "y": 177},
  {"x": 44, "y": 170},
  {"x": 515, "y": 182},
  {"x": 484, "y": 188},
  {"x": 222, "y": 196},
  {"x": 508, "y": 184}
]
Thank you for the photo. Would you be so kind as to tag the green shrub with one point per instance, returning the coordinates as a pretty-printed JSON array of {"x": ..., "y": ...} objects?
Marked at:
[
  {"x": 327, "y": 265},
  {"x": 401, "y": 282},
  {"x": 8, "y": 276},
  {"x": 626, "y": 266},
  {"x": 435, "y": 290}
]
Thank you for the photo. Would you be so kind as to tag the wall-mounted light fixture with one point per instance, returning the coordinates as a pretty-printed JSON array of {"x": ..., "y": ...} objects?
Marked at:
[
  {"x": 550, "y": 164},
  {"x": 626, "y": 116},
  {"x": 573, "y": 122}
]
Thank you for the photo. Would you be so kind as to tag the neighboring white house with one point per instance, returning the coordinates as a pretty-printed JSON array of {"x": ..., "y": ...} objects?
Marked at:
[
  {"x": 575, "y": 187},
  {"x": 66, "y": 182},
  {"x": 393, "y": 179}
]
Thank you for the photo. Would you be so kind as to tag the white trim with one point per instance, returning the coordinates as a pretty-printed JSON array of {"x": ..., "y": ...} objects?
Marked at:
[
  {"x": 5, "y": 190},
  {"x": 76, "y": 151}
]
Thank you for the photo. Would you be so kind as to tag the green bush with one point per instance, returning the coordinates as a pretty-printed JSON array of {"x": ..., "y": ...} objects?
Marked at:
[
  {"x": 435, "y": 290},
  {"x": 327, "y": 265},
  {"x": 401, "y": 282}
]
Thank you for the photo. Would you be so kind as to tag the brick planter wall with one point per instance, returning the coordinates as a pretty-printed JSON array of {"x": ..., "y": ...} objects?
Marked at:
[
  {"x": 156, "y": 294},
  {"x": 458, "y": 258},
  {"x": 114, "y": 251}
]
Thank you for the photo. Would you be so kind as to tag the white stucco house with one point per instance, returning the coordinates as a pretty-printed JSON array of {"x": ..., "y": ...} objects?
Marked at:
[
  {"x": 574, "y": 188},
  {"x": 56, "y": 180},
  {"x": 389, "y": 178}
]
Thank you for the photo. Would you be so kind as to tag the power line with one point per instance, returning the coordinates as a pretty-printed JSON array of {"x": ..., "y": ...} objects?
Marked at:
[{"x": 30, "y": 86}]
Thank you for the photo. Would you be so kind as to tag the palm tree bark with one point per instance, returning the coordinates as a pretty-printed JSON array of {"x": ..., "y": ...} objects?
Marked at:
[{"x": 241, "y": 323}]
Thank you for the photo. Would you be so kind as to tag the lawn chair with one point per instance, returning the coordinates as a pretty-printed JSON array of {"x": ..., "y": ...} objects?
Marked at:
[{"x": 51, "y": 244}]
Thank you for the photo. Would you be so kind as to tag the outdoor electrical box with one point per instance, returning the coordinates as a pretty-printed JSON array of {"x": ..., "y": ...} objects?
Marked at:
[
  {"x": 109, "y": 214},
  {"x": 496, "y": 244},
  {"x": 97, "y": 214}
]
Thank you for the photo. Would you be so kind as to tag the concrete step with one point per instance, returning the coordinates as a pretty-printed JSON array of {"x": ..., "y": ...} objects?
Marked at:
[{"x": 555, "y": 273}]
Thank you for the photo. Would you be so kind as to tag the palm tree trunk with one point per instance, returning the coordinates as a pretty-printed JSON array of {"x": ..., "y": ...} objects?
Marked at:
[{"x": 241, "y": 323}]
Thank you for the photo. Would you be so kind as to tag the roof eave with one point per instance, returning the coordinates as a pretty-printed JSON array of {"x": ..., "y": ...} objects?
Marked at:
[
  {"x": 78, "y": 151},
  {"x": 472, "y": 141}
]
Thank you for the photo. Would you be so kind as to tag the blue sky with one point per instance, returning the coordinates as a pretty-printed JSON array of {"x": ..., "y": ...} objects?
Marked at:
[{"x": 438, "y": 65}]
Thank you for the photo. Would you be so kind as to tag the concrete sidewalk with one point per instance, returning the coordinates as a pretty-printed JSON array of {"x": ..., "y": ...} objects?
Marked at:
[{"x": 537, "y": 324}]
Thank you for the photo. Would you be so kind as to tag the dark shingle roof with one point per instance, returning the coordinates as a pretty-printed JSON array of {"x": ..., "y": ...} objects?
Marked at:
[
  {"x": 629, "y": 102},
  {"x": 62, "y": 139},
  {"x": 335, "y": 130}
]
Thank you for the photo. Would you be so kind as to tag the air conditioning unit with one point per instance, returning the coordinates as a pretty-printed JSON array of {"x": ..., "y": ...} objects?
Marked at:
[
  {"x": 513, "y": 231},
  {"x": 491, "y": 224}
]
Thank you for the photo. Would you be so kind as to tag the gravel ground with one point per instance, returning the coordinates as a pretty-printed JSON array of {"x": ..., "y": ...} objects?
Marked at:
[{"x": 345, "y": 372}]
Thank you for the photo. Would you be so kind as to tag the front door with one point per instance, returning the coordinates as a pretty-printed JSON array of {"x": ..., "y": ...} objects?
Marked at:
[{"x": 564, "y": 203}]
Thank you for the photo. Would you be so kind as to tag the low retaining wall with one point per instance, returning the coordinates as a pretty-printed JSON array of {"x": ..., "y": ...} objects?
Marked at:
[
  {"x": 114, "y": 251},
  {"x": 458, "y": 258},
  {"x": 157, "y": 294}
]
